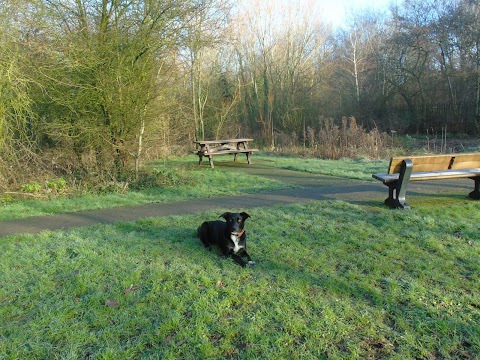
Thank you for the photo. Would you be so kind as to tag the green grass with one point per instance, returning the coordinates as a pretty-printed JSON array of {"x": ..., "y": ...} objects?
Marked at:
[
  {"x": 333, "y": 280},
  {"x": 192, "y": 182},
  {"x": 360, "y": 169}
]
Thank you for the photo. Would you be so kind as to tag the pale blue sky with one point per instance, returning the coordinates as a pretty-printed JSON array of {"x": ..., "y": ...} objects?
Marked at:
[
  {"x": 332, "y": 11},
  {"x": 336, "y": 10}
]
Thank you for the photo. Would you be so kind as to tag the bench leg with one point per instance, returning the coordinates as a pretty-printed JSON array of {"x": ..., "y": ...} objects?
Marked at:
[
  {"x": 397, "y": 191},
  {"x": 405, "y": 172},
  {"x": 401, "y": 202},
  {"x": 390, "y": 201},
  {"x": 210, "y": 160},
  {"x": 200, "y": 158},
  {"x": 249, "y": 157},
  {"x": 235, "y": 157},
  {"x": 475, "y": 194}
]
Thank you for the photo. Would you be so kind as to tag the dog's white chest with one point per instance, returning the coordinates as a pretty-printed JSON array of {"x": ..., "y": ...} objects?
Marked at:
[{"x": 236, "y": 241}]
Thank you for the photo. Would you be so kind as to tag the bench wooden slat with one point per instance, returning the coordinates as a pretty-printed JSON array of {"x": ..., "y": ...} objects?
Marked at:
[
  {"x": 465, "y": 161},
  {"x": 466, "y": 165},
  {"x": 466, "y": 156}
]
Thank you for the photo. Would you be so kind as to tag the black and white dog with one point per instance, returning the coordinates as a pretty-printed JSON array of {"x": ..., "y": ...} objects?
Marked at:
[{"x": 229, "y": 236}]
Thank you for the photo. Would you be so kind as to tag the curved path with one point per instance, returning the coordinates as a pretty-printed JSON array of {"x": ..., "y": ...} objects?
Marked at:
[{"x": 309, "y": 187}]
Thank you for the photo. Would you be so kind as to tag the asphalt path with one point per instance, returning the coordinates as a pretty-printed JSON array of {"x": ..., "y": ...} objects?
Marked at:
[{"x": 308, "y": 187}]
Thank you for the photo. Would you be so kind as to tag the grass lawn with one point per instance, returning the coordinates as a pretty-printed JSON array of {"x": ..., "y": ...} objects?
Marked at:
[
  {"x": 333, "y": 280},
  {"x": 360, "y": 169}
]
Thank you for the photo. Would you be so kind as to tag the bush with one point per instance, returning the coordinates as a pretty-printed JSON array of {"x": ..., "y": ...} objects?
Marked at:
[{"x": 162, "y": 178}]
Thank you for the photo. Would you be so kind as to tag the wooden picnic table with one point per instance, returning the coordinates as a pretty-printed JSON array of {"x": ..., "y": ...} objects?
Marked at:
[{"x": 211, "y": 148}]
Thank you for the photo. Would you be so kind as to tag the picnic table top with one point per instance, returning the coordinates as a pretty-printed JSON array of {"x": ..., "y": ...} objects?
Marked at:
[{"x": 226, "y": 141}]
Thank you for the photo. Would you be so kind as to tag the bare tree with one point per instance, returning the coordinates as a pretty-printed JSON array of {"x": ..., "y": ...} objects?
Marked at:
[
  {"x": 203, "y": 33},
  {"x": 278, "y": 52}
]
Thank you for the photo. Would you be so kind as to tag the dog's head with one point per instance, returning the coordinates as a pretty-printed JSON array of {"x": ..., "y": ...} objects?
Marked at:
[{"x": 235, "y": 222}]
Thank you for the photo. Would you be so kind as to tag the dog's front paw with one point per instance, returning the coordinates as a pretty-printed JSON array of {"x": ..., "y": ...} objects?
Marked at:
[{"x": 251, "y": 263}]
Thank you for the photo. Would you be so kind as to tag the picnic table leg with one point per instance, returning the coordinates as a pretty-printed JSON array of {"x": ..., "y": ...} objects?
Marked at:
[
  {"x": 204, "y": 149},
  {"x": 210, "y": 159},
  {"x": 235, "y": 157},
  {"x": 475, "y": 194},
  {"x": 249, "y": 157}
]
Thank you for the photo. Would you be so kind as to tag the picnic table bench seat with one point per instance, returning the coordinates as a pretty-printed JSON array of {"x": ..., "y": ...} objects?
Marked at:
[
  {"x": 403, "y": 169},
  {"x": 211, "y": 148}
]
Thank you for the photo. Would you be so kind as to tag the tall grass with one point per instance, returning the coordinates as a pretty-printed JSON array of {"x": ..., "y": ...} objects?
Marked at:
[
  {"x": 349, "y": 140},
  {"x": 330, "y": 140}
]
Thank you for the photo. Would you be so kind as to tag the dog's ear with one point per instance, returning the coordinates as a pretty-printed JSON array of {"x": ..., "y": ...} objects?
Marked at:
[
  {"x": 244, "y": 215},
  {"x": 226, "y": 215}
]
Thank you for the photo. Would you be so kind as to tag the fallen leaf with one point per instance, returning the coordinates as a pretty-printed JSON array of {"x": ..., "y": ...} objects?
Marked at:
[
  {"x": 76, "y": 300},
  {"x": 219, "y": 283},
  {"x": 130, "y": 289},
  {"x": 168, "y": 340},
  {"x": 112, "y": 303},
  {"x": 181, "y": 342}
]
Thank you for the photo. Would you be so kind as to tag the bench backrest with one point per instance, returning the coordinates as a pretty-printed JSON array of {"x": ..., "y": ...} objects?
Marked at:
[{"x": 436, "y": 162}]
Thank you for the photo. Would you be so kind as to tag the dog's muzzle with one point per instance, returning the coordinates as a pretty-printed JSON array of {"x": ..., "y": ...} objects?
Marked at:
[{"x": 238, "y": 234}]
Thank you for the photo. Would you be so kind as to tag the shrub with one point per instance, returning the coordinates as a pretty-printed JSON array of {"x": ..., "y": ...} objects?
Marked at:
[{"x": 162, "y": 178}]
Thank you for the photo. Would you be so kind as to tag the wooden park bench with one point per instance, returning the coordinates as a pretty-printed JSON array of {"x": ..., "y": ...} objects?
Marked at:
[
  {"x": 212, "y": 148},
  {"x": 403, "y": 169}
]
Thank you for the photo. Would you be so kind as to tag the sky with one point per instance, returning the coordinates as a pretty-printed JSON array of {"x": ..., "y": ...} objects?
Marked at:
[{"x": 335, "y": 11}]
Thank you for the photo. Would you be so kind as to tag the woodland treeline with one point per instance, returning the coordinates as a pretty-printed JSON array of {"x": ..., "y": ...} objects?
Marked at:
[{"x": 98, "y": 86}]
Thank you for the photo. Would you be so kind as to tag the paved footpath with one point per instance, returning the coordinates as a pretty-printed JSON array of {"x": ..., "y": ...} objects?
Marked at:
[{"x": 309, "y": 187}]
